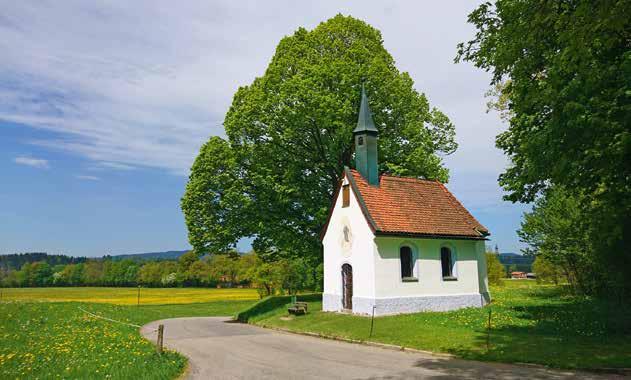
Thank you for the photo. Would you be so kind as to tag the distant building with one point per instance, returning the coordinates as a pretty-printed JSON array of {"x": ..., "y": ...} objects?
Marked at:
[{"x": 518, "y": 275}]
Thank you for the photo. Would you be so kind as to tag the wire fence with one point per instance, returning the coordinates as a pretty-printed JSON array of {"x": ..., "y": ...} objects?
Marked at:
[
  {"x": 160, "y": 329},
  {"x": 109, "y": 319}
]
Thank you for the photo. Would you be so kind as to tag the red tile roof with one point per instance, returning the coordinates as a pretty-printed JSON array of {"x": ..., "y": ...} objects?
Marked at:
[{"x": 416, "y": 207}]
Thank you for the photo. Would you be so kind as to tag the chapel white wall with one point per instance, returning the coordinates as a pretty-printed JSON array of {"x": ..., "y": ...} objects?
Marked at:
[
  {"x": 482, "y": 273},
  {"x": 427, "y": 268},
  {"x": 360, "y": 256}
]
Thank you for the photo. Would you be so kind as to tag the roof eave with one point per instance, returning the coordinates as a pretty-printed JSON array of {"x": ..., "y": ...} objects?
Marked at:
[
  {"x": 360, "y": 199},
  {"x": 428, "y": 235},
  {"x": 325, "y": 227}
]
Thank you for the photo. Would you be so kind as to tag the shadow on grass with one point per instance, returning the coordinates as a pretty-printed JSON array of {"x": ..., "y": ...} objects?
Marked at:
[
  {"x": 464, "y": 369},
  {"x": 570, "y": 332}
]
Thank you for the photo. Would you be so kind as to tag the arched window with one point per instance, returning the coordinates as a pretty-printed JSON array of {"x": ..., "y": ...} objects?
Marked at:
[
  {"x": 407, "y": 262},
  {"x": 447, "y": 263}
]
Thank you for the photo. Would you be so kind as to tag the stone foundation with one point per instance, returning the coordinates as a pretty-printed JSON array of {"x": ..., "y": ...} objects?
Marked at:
[
  {"x": 331, "y": 302},
  {"x": 402, "y": 305}
]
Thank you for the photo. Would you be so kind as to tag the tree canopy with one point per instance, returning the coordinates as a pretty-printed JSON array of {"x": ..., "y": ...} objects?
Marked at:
[
  {"x": 563, "y": 70},
  {"x": 289, "y": 135},
  {"x": 556, "y": 233},
  {"x": 569, "y": 65}
]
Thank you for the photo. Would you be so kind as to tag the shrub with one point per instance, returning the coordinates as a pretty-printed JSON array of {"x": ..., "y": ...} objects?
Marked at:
[
  {"x": 546, "y": 271},
  {"x": 494, "y": 269}
]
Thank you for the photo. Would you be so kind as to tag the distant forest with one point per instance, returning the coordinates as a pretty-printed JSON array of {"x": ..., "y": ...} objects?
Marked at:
[
  {"x": 515, "y": 262},
  {"x": 153, "y": 270},
  {"x": 17, "y": 260}
]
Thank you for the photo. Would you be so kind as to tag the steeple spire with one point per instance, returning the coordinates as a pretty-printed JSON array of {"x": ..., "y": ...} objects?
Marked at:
[
  {"x": 364, "y": 121},
  {"x": 365, "y": 135}
]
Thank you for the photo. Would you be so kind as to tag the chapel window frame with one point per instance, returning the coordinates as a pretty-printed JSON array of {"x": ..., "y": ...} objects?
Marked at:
[
  {"x": 448, "y": 263},
  {"x": 407, "y": 274}
]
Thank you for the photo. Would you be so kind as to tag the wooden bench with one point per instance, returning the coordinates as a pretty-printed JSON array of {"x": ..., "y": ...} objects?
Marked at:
[{"x": 298, "y": 308}]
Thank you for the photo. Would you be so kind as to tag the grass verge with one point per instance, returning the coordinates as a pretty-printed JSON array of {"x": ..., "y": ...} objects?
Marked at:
[
  {"x": 530, "y": 323},
  {"x": 271, "y": 304},
  {"x": 57, "y": 340}
]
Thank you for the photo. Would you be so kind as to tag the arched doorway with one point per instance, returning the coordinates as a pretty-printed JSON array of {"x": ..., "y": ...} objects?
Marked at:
[{"x": 347, "y": 287}]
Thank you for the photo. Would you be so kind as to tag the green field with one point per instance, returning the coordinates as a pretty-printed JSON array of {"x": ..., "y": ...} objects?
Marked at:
[
  {"x": 530, "y": 323},
  {"x": 127, "y": 296},
  {"x": 58, "y": 340}
]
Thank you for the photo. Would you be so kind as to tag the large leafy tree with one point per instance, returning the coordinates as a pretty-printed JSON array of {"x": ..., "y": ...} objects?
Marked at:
[
  {"x": 563, "y": 69},
  {"x": 556, "y": 232},
  {"x": 569, "y": 65},
  {"x": 290, "y": 135}
]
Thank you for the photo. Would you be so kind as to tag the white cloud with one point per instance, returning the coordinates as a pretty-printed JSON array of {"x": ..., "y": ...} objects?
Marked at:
[
  {"x": 33, "y": 162},
  {"x": 88, "y": 177},
  {"x": 144, "y": 84},
  {"x": 116, "y": 166}
]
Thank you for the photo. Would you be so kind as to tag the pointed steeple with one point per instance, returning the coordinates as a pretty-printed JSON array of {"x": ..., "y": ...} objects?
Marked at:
[
  {"x": 364, "y": 121},
  {"x": 366, "y": 135}
]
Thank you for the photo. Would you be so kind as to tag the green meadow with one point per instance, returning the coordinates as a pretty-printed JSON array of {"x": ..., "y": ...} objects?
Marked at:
[
  {"x": 530, "y": 323},
  {"x": 58, "y": 340}
]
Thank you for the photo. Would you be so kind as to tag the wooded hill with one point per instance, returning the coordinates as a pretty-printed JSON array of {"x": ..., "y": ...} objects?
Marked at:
[{"x": 15, "y": 261}]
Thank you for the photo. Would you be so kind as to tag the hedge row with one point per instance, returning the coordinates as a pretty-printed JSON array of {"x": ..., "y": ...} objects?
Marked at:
[{"x": 273, "y": 302}]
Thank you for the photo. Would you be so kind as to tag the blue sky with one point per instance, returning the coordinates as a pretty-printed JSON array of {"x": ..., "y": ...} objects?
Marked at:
[{"x": 103, "y": 108}]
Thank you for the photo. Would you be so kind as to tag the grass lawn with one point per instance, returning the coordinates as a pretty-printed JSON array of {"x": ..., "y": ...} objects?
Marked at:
[
  {"x": 127, "y": 296},
  {"x": 530, "y": 323},
  {"x": 57, "y": 340}
]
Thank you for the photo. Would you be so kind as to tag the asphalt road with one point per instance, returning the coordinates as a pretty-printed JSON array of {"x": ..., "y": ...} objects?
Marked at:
[{"x": 219, "y": 349}]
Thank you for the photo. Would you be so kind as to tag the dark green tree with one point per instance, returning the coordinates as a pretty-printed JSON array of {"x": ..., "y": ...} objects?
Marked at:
[
  {"x": 150, "y": 274},
  {"x": 93, "y": 272},
  {"x": 548, "y": 272},
  {"x": 557, "y": 232},
  {"x": 214, "y": 204},
  {"x": 186, "y": 260},
  {"x": 563, "y": 72},
  {"x": 290, "y": 135}
]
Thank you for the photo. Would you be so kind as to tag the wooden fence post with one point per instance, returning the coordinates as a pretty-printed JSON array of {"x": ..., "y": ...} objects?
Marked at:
[
  {"x": 488, "y": 333},
  {"x": 160, "y": 338},
  {"x": 372, "y": 321}
]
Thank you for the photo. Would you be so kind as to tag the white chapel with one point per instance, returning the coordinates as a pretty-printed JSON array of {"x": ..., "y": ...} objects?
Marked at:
[{"x": 398, "y": 245}]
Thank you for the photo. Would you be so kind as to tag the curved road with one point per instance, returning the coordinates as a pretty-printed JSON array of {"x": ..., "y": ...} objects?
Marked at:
[{"x": 220, "y": 349}]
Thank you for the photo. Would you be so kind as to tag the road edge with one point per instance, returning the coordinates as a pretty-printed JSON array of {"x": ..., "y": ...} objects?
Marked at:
[{"x": 393, "y": 347}]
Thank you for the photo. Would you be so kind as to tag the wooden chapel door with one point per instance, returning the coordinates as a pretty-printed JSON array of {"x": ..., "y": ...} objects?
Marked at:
[{"x": 347, "y": 287}]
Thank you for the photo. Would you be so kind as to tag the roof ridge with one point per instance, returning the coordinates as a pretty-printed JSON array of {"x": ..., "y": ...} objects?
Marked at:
[
  {"x": 402, "y": 178},
  {"x": 414, "y": 206},
  {"x": 408, "y": 179},
  {"x": 464, "y": 208}
]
